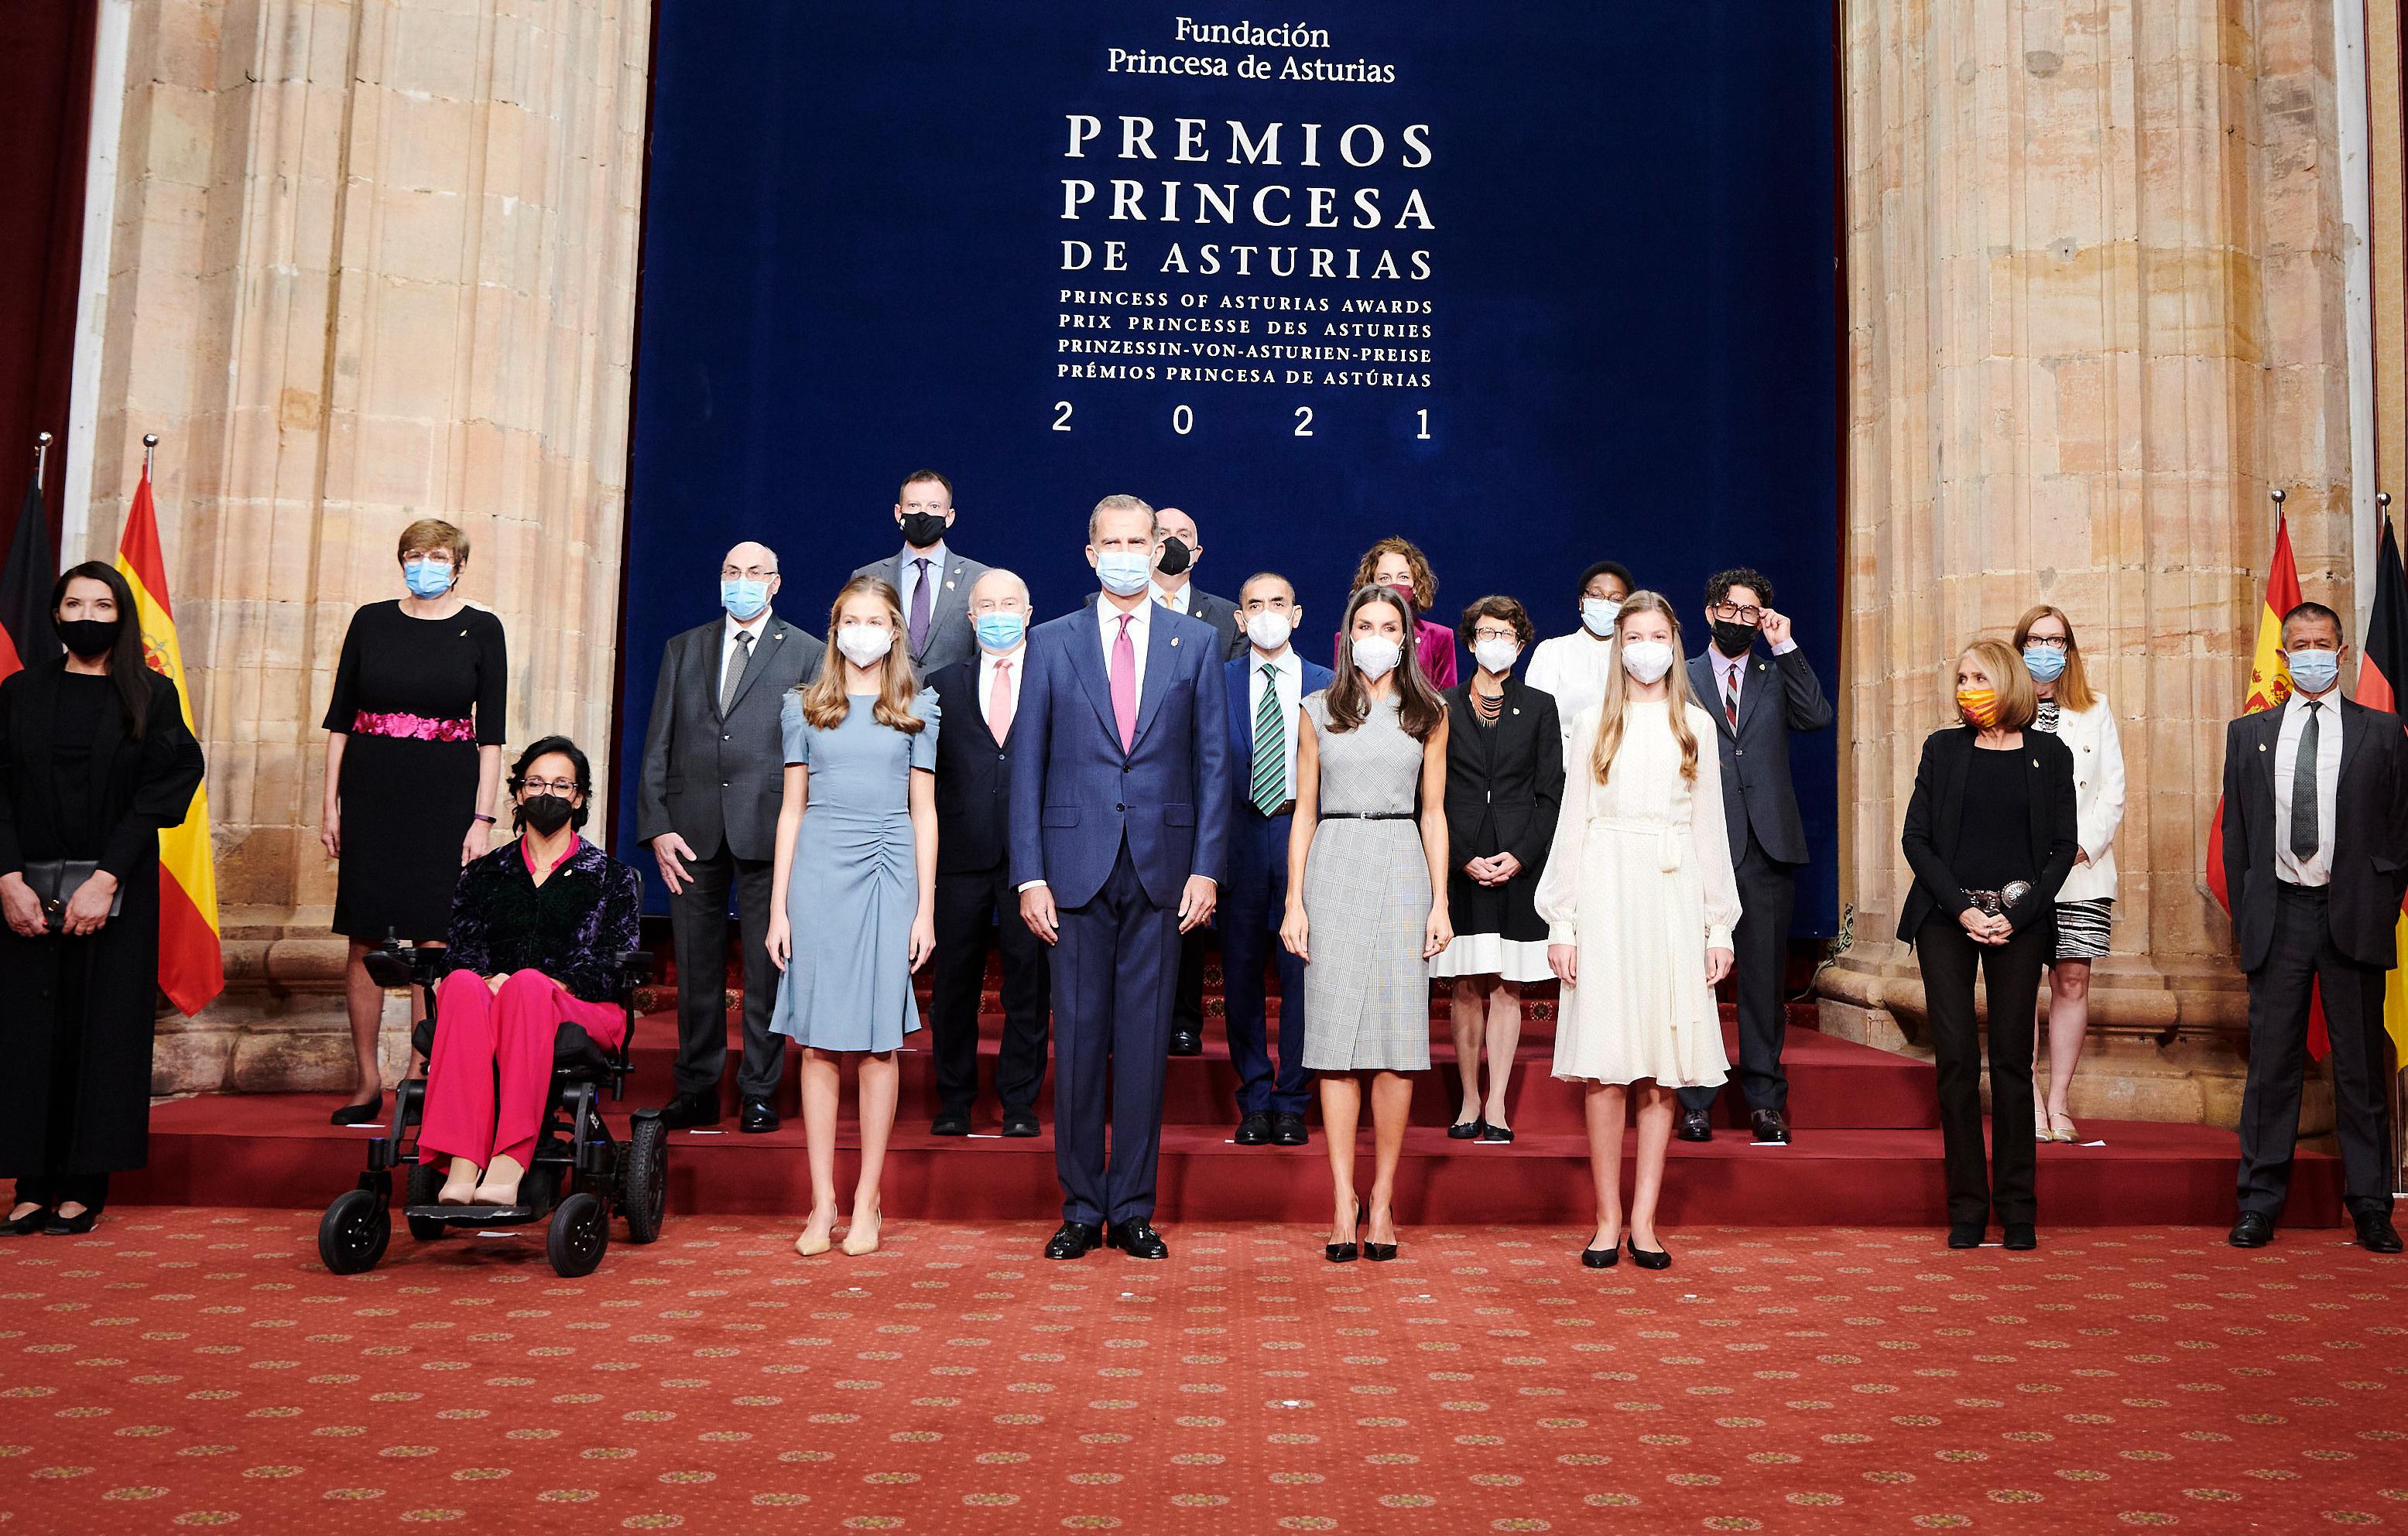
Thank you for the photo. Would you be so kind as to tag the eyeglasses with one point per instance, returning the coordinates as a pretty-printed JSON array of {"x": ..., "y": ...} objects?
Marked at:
[
  {"x": 1493, "y": 633},
  {"x": 2053, "y": 642},
  {"x": 1745, "y": 613},
  {"x": 749, "y": 573},
  {"x": 562, "y": 787}
]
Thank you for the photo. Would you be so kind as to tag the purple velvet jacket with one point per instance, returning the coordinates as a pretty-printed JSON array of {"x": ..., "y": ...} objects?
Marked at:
[{"x": 573, "y": 928}]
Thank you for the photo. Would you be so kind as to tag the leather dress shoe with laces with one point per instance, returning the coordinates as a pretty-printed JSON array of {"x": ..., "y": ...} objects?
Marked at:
[
  {"x": 2375, "y": 1233},
  {"x": 686, "y": 1111},
  {"x": 1695, "y": 1127},
  {"x": 1254, "y": 1128},
  {"x": 1136, "y": 1238},
  {"x": 1019, "y": 1123},
  {"x": 759, "y": 1116},
  {"x": 1186, "y": 1042},
  {"x": 1074, "y": 1240},
  {"x": 1772, "y": 1127},
  {"x": 950, "y": 1124},
  {"x": 1288, "y": 1130},
  {"x": 2253, "y": 1231}
]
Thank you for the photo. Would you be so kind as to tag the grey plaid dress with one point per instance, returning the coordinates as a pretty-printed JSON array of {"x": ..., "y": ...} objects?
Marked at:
[{"x": 1367, "y": 902}]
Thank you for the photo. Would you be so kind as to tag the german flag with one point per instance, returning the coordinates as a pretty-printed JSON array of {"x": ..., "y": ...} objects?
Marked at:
[
  {"x": 192, "y": 963},
  {"x": 2382, "y": 674}
]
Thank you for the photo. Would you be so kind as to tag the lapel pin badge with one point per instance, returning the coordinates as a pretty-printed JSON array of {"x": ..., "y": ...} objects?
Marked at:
[{"x": 1174, "y": 642}]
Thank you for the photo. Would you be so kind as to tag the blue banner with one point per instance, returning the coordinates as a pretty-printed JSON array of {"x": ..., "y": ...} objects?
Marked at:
[{"x": 1532, "y": 285}]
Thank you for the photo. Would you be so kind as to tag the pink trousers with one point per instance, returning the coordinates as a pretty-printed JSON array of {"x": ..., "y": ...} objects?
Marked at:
[{"x": 489, "y": 1044}]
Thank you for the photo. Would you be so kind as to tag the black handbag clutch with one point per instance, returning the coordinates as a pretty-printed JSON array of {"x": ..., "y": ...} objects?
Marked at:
[{"x": 55, "y": 881}]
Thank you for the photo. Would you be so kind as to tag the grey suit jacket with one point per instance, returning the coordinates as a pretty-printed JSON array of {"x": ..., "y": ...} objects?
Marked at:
[
  {"x": 1777, "y": 695},
  {"x": 716, "y": 779},
  {"x": 949, "y": 637},
  {"x": 1219, "y": 612}
]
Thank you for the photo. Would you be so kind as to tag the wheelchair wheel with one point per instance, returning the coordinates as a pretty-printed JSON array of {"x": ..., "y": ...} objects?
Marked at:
[
  {"x": 580, "y": 1230},
  {"x": 352, "y": 1234},
  {"x": 644, "y": 1179},
  {"x": 426, "y": 1182}
]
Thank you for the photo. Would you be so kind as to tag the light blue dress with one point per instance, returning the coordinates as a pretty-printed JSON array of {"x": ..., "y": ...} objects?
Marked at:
[{"x": 854, "y": 884}]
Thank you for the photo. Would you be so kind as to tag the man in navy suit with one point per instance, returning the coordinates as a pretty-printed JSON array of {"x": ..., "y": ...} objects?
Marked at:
[
  {"x": 980, "y": 700},
  {"x": 1265, "y": 688},
  {"x": 1120, "y": 813}
]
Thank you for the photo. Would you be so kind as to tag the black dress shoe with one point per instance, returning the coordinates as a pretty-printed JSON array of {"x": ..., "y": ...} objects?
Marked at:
[
  {"x": 2253, "y": 1231},
  {"x": 31, "y": 1222},
  {"x": 74, "y": 1226},
  {"x": 686, "y": 1111},
  {"x": 1489, "y": 1132},
  {"x": 1186, "y": 1042},
  {"x": 1255, "y": 1129},
  {"x": 950, "y": 1125},
  {"x": 1695, "y": 1127},
  {"x": 1074, "y": 1240},
  {"x": 1343, "y": 1253},
  {"x": 367, "y": 1113},
  {"x": 1772, "y": 1127},
  {"x": 1466, "y": 1130},
  {"x": 1136, "y": 1238},
  {"x": 1288, "y": 1130},
  {"x": 1649, "y": 1258},
  {"x": 1019, "y": 1124},
  {"x": 1966, "y": 1234},
  {"x": 2018, "y": 1236},
  {"x": 1601, "y": 1258},
  {"x": 758, "y": 1117},
  {"x": 2375, "y": 1233}
]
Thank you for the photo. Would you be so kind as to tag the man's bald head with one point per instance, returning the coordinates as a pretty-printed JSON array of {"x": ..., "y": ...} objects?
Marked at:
[
  {"x": 749, "y": 570},
  {"x": 996, "y": 589},
  {"x": 751, "y": 558}
]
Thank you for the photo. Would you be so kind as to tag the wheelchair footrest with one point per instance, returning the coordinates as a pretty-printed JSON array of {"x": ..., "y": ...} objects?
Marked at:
[{"x": 474, "y": 1216}]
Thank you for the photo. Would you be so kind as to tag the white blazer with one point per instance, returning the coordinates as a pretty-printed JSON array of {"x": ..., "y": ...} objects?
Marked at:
[{"x": 2098, "y": 797}]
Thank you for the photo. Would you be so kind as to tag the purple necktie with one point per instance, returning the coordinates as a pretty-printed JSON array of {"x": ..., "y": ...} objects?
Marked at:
[
  {"x": 1124, "y": 684},
  {"x": 919, "y": 609}
]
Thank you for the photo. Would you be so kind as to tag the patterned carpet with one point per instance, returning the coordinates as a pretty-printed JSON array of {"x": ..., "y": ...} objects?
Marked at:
[{"x": 183, "y": 1368}]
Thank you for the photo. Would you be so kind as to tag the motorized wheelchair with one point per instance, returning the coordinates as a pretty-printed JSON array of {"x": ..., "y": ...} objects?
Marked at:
[{"x": 580, "y": 1174}]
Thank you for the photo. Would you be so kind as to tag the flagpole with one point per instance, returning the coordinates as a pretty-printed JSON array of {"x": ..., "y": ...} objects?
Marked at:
[
  {"x": 41, "y": 456},
  {"x": 150, "y": 446},
  {"x": 2399, "y": 1068}
]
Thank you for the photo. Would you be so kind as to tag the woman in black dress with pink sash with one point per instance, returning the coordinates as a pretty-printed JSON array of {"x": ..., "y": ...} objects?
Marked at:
[{"x": 413, "y": 768}]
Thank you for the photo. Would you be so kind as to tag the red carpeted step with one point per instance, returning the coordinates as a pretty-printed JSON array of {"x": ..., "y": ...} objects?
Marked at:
[{"x": 277, "y": 1149}]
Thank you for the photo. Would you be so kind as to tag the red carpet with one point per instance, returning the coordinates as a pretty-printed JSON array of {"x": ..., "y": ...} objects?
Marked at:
[{"x": 184, "y": 1368}]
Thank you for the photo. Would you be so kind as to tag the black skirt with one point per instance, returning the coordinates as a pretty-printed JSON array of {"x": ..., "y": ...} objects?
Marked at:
[{"x": 406, "y": 805}]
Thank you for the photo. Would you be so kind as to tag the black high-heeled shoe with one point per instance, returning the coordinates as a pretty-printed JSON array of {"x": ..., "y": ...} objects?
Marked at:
[
  {"x": 31, "y": 1222},
  {"x": 1492, "y": 1132},
  {"x": 74, "y": 1226},
  {"x": 1344, "y": 1253},
  {"x": 363, "y": 1113},
  {"x": 1466, "y": 1130},
  {"x": 1649, "y": 1258},
  {"x": 1380, "y": 1252},
  {"x": 1601, "y": 1258}
]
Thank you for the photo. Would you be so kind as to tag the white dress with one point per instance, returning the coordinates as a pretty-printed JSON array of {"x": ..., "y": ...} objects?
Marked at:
[
  {"x": 1642, "y": 886},
  {"x": 1572, "y": 668}
]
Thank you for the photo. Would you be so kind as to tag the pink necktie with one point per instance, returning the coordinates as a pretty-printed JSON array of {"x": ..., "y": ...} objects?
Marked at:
[
  {"x": 999, "y": 702},
  {"x": 1124, "y": 684}
]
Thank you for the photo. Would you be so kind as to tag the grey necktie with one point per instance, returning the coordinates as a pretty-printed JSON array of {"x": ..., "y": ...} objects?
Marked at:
[
  {"x": 736, "y": 660},
  {"x": 2305, "y": 835}
]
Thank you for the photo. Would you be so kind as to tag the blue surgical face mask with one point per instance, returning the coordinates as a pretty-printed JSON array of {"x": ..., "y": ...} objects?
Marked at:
[
  {"x": 427, "y": 578},
  {"x": 743, "y": 597},
  {"x": 1596, "y": 615},
  {"x": 2313, "y": 671},
  {"x": 2044, "y": 662},
  {"x": 1124, "y": 572},
  {"x": 1000, "y": 632}
]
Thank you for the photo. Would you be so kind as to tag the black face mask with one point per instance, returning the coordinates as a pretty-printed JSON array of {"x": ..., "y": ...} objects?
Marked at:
[
  {"x": 545, "y": 814},
  {"x": 1733, "y": 640},
  {"x": 89, "y": 638},
  {"x": 1175, "y": 557},
  {"x": 923, "y": 529}
]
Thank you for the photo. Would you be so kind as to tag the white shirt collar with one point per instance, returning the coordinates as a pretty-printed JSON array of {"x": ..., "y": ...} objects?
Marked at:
[
  {"x": 990, "y": 658},
  {"x": 1286, "y": 661},
  {"x": 2297, "y": 703},
  {"x": 758, "y": 622}
]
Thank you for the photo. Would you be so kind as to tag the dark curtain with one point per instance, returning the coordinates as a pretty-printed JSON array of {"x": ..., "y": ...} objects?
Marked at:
[{"x": 46, "y": 80}]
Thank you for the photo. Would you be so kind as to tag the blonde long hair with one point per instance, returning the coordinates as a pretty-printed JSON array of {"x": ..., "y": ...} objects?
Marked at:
[
  {"x": 1617, "y": 693},
  {"x": 2073, "y": 690},
  {"x": 825, "y": 703}
]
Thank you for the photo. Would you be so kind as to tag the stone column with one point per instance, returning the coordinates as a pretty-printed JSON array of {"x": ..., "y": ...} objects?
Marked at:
[
  {"x": 2095, "y": 314},
  {"x": 374, "y": 261}
]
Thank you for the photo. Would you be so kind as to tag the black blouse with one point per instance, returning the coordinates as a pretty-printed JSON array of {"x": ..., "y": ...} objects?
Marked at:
[
  {"x": 444, "y": 669},
  {"x": 1994, "y": 848},
  {"x": 82, "y": 695}
]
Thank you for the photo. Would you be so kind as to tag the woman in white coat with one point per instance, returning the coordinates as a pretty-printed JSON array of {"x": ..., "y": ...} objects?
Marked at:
[{"x": 2085, "y": 907}]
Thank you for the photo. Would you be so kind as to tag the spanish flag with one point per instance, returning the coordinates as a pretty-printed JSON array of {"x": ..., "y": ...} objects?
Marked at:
[
  {"x": 2270, "y": 684},
  {"x": 2383, "y": 684},
  {"x": 191, "y": 965}
]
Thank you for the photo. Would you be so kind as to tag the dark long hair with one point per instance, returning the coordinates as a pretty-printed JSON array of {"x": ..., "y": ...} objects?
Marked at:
[
  {"x": 1418, "y": 706},
  {"x": 128, "y": 666},
  {"x": 545, "y": 747}
]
